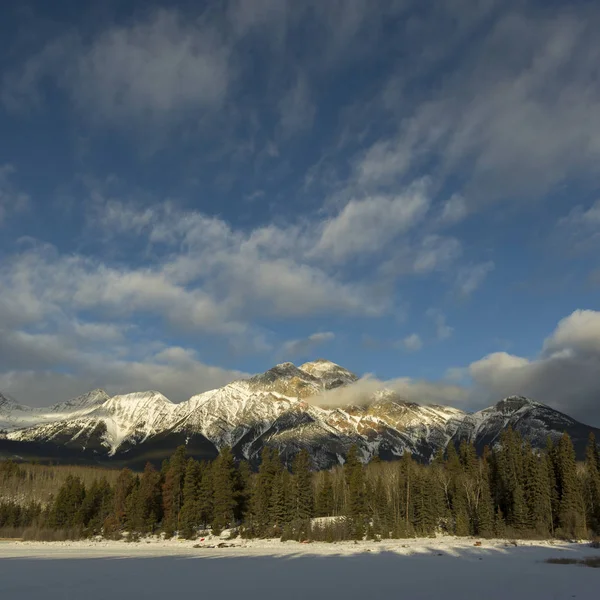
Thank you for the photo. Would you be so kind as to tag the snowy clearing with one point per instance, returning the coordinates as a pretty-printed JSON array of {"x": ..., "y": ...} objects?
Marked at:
[{"x": 447, "y": 568}]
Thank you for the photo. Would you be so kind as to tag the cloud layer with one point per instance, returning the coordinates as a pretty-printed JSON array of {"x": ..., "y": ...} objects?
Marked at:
[{"x": 194, "y": 185}]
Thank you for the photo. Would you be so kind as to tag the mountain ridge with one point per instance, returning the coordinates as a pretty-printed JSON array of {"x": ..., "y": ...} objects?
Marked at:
[{"x": 272, "y": 408}]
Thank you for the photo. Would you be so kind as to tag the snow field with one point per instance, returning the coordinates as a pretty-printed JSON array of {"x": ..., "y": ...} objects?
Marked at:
[{"x": 447, "y": 568}]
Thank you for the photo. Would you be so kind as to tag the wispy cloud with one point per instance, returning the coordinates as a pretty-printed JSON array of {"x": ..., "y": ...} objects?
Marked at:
[
  {"x": 442, "y": 330},
  {"x": 469, "y": 278},
  {"x": 306, "y": 346},
  {"x": 412, "y": 343},
  {"x": 12, "y": 200}
]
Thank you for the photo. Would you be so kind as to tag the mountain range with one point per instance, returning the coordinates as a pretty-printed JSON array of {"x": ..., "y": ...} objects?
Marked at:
[{"x": 276, "y": 408}]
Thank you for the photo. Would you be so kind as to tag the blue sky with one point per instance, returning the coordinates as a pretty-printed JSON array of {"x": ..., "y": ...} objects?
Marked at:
[{"x": 193, "y": 191}]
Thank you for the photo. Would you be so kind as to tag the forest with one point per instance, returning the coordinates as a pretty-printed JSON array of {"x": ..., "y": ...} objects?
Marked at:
[{"x": 509, "y": 491}]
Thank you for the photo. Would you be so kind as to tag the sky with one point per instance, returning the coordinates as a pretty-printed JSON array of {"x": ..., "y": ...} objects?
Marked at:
[{"x": 194, "y": 191}]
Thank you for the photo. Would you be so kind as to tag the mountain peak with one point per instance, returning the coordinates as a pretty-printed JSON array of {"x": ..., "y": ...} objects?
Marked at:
[
  {"x": 93, "y": 398},
  {"x": 512, "y": 404},
  {"x": 330, "y": 373},
  {"x": 7, "y": 402}
]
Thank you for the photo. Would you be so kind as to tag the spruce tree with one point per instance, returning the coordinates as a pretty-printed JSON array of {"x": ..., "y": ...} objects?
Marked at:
[
  {"x": 223, "y": 483},
  {"x": 206, "y": 494},
  {"x": 96, "y": 505},
  {"x": 279, "y": 513},
  {"x": 189, "y": 516},
  {"x": 144, "y": 503},
  {"x": 303, "y": 495},
  {"x": 571, "y": 512},
  {"x": 123, "y": 488},
  {"x": 592, "y": 465},
  {"x": 244, "y": 488},
  {"x": 66, "y": 511},
  {"x": 538, "y": 495},
  {"x": 355, "y": 485},
  {"x": 270, "y": 468},
  {"x": 172, "y": 490},
  {"x": 324, "y": 500}
]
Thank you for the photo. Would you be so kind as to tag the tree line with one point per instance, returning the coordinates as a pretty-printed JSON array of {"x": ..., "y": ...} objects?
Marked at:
[{"x": 510, "y": 490}]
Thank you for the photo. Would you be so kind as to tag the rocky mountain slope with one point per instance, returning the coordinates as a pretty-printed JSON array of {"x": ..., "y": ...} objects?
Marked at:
[{"x": 275, "y": 408}]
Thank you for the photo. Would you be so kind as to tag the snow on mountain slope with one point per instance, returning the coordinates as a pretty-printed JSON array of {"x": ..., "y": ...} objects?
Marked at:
[
  {"x": 272, "y": 409},
  {"x": 535, "y": 422},
  {"x": 330, "y": 374}
]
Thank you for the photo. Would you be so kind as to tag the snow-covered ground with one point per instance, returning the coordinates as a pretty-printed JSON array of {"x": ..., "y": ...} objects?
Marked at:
[{"x": 447, "y": 568}]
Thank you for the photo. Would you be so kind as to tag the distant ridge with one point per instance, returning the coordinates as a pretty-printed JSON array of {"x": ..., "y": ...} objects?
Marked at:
[{"x": 268, "y": 409}]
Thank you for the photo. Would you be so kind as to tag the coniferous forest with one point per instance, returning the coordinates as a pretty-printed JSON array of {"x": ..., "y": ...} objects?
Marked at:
[{"x": 509, "y": 491}]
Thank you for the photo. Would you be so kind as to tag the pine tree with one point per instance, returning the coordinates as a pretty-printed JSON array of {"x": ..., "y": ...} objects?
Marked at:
[
  {"x": 538, "y": 494},
  {"x": 172, "y": 490},
  {"x": 270, "y": 468},
  {"x": 425, "y": 503},
  {"x": 324, "y": 500},
  {"x": 278, "y": 507},
  {"x": 224, "y": 492},
  {"x": 355, "y": 484},
  {"x": 303, "y": 495},
  {"x": 66, "y": 511},
  {"x": 484, "y": 511},
  {"x": 123, "y": 488},
  {"x": 519, "y": 516},
  {"x": 189, "y": 516},
  {"x": 144, "y": 505},
  {"x": 592, "y": 464},
  {"x": 96, "y": 505},
  {"x": 205, "y": 494},
  {"x": 244, "y": 489},
  {"x": 571, "y": 512}
]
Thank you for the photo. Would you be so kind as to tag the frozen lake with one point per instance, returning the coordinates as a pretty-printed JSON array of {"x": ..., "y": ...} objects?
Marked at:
[{"x": 414, "y": 569}]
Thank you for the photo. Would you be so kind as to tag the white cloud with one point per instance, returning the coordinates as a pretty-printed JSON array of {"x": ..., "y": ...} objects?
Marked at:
[
  {"x": 368, "y": 225},
  {"x": 564, "y": 375},
  {"x": 579, "y": 231},
  {"x": 514, "y": 117},
  {"x": 454, "y": 210},
  {"x": 471, "y": 277},
  {"x": 436, "y": 252},
  {"x": 412, "y": 390},
  {"x": 168, "y": 372},
  {"x": 412, "y": 343},
  {"x": 296, "y": 109},
  {"x": 306, "y": 346},
  {"x": 442, "y": 330},
  {"x": 152, "y": 69},
  {"x": 158, "y": 69},
  {"x": 12, "y": 200}
]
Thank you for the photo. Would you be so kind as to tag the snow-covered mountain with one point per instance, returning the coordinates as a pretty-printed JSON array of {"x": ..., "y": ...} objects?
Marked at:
[{"x": 275, "y": 408}]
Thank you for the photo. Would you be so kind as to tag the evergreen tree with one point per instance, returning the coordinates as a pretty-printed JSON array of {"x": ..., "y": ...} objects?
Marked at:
[
  {"x": 484, "y": 510},
  {"x": 571, "y": 512},
  {"x": 144, "y": 505},
  {"x": 538, "y": 494},
  {"x": 244, "y": 488},
  {"x": 303, "y": 495},
  {"x": 269, "y": 469},
  {"x": 96, "y": 505},
  {"x": 324, "y": 500},
  {"x": 173, "y": 472},
  {"x": 205, "y": 494},
  {"x": 355, "y": 485},
  {"x": 66, "y": 511},
  {"x": 224, "y": 490},
  {"x": 592, "y": 485},
  {"x": 279, "y": 513},
  {"x": 519, "y": 516},
  {"x": 123, "y": 488},
  {"x": 190, "y": 516}
]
